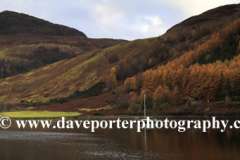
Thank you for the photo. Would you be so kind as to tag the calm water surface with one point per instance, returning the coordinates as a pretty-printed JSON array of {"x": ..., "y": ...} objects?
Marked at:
[{"x": 119, "y": 144}]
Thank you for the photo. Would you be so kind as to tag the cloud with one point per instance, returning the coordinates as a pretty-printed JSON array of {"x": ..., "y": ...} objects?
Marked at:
[
  {"x": 128, "y": 19},
  {"x": 119, "y": 19}
]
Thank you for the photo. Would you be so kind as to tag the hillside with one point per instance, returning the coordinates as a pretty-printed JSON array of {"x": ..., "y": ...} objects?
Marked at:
[
  {"x": 13, "y": 23},
  {"x": 27, "y": 43},
  {"x": 67, "y": 76},
  {"x": 216, "y": 18},
  {"x": 191, "y": 69}
]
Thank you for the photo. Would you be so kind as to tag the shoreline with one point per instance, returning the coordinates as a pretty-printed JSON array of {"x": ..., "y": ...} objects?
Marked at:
[{"x": 112, "y": 117}]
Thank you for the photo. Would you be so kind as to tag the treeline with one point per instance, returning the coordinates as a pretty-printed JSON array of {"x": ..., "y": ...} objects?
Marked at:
[
  {"x": 209, "y": 72},
  {"x": 95, "y": 90},
  {"x": 216, "y": 77},
  {"x": 168, "y": 49},
  {"x": 40, "y": 57}
]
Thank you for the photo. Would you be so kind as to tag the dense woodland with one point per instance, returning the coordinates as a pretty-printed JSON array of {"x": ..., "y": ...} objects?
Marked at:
[
  {"x": 40, "y": 57},
  {"x": 208, "y": 71}
]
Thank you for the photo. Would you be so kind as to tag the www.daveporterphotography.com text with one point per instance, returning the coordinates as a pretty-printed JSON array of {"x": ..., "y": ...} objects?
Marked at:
[{"x": 180, "y": 125}]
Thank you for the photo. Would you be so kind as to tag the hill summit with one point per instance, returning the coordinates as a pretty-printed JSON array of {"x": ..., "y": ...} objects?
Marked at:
[{"x": 13, "y": 23}]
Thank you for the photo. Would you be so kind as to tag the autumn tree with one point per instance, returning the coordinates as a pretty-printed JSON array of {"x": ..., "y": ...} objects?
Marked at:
[
  {"x": 130, "y": 84},
  {"x": 161, "y": 95},
  {"x": 113, "y": 57},
  {"x": 150, "y": 63},
  {"x": 133, "y": 101},
  {"x": 219, "y": 89},
  {"x": 111, "y": 81},
  {"x": 176, "y": 96},
  {"x": 113, "y": 71},
  {"x": 227, "y": 89}
]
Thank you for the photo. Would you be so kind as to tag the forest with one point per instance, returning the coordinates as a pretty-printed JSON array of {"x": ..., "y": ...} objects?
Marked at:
[
  {"x": 40, "y": 57},
  {"x": 206, "y": 72}
]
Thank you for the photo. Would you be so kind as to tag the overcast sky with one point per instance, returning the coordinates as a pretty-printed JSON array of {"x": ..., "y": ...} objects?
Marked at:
[{"x": 119, "y": 19}]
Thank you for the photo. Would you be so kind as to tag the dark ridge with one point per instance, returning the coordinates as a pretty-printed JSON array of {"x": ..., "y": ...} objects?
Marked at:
[
  {"x": 218, "y": 12},
  {"x": 13, "y": 23},
  {"x": 211, "y": 15}
]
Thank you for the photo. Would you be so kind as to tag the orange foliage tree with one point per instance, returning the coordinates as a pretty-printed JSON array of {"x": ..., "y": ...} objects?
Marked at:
[
  {"x": 130, "y": 84},
  {"x": 111, "y": 81},
  {"x": 161, "y": 95}
]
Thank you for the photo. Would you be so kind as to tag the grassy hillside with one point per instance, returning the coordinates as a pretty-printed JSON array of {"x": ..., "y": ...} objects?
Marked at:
[
  {"x": 27, "y": 43},
  {"x": 39, "y": 51},
  {"x": 64, "y": 77}
]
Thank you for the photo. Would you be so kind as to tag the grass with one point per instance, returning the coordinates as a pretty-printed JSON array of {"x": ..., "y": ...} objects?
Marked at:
[
  {"x": 95, "y": 90},
  {"x": 38, "y": 114},
  {"x": 89, "y": 109},
  {"x": 63, "y": 78},
  {"x": 29, "y": 108},
  {"x": 106, "y": 108},
  {"x": 51, "y": 66},
  {"x": 11, "y": 53}
]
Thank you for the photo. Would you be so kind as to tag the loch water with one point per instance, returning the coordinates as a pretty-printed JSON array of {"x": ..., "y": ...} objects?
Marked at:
[{"x": 73, "y": 144}]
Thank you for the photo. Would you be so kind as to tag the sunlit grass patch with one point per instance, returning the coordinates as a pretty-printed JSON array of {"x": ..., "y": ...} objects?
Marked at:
[
  {"x": 90, "y": 109},
  {"x": 29, "y": 108},
  {"x": 38, "y": 114},
  {"x": 106, "y": 108},
  {"x": 30, "y": 73},
  {"x": 51, "y": 66},
  {"x": 7, "y": 78}
]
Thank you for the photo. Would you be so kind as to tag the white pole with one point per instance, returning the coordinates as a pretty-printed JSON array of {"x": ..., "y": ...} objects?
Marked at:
[{"x": 144, "y": 106}]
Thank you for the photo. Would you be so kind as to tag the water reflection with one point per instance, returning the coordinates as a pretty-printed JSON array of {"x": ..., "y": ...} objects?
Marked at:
[
  {"x": 119, "y": 144},
  {"x": 145, "y": 139}
]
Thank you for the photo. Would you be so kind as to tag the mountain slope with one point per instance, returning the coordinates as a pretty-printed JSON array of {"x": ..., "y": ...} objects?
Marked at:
[
  {"x": 13, "y": 23},
  {"x": 27, "y": 43},
  {"x": 63, "y": 78},
  {"x": 216, "y": 19}
]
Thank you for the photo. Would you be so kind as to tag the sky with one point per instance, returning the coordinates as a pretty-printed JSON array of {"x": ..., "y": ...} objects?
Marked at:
[{"x": 118, "y": 19}]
